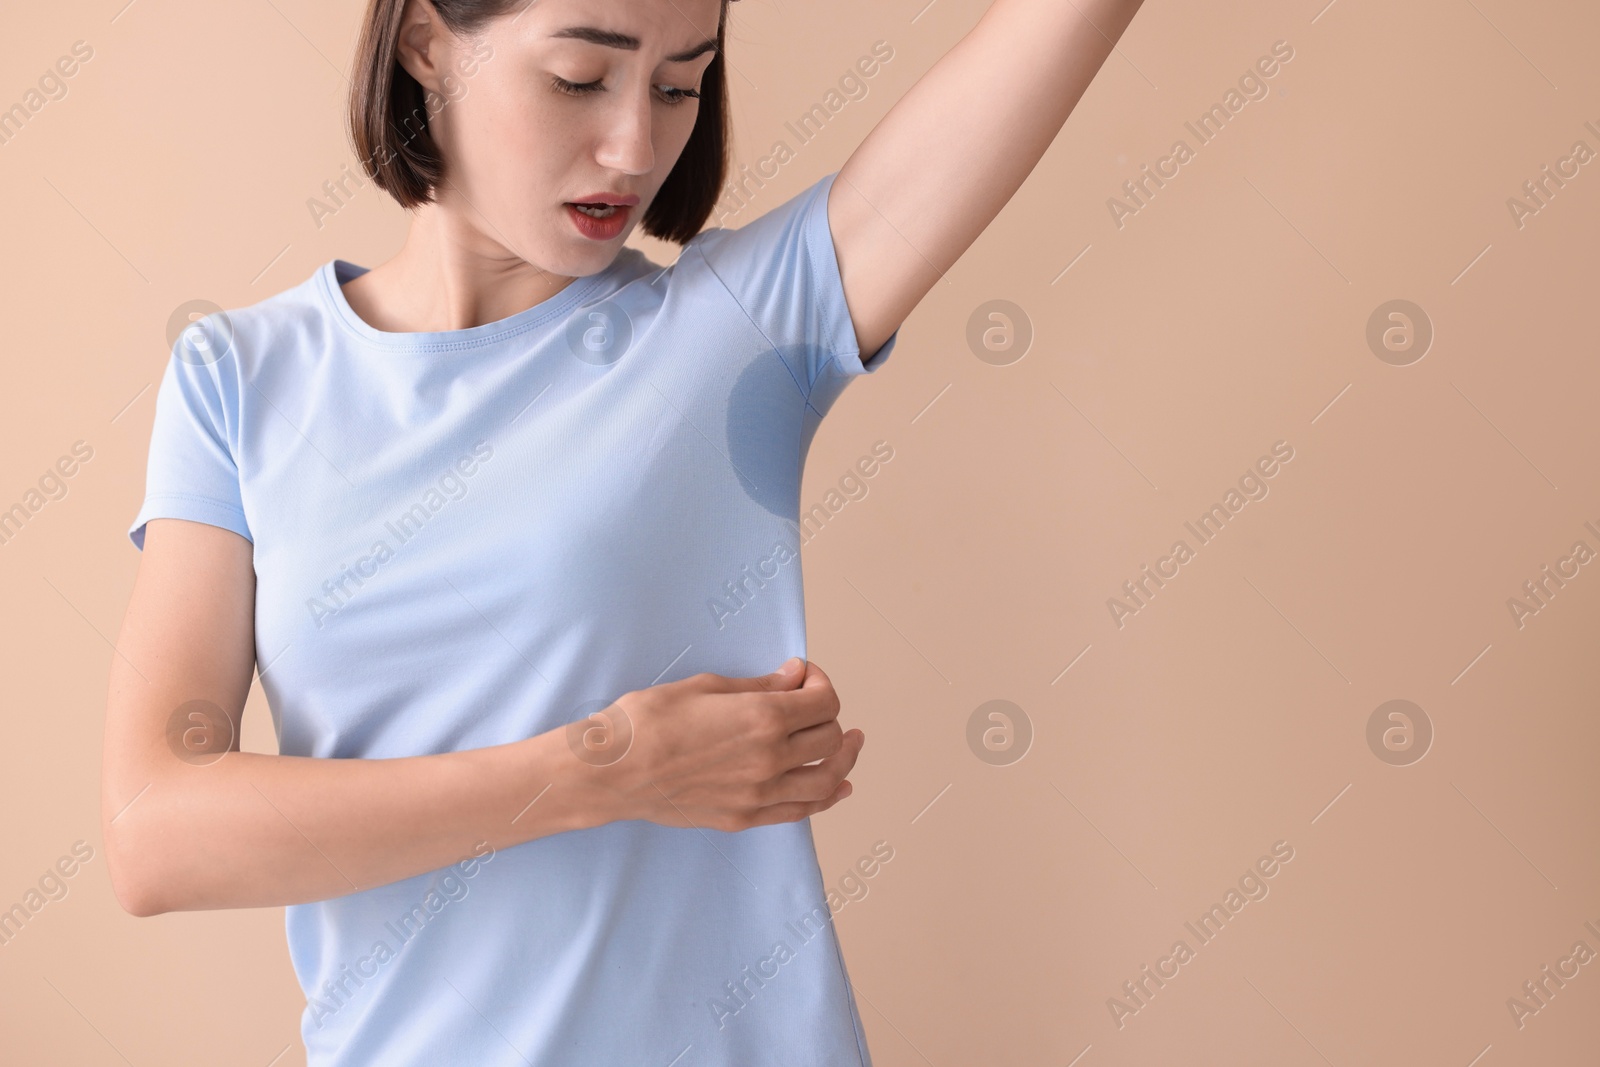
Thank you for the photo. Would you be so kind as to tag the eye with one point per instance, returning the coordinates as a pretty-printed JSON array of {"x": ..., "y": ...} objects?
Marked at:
[
  {"x": 669, "y": 94},
  {"x": 680, "y": 95},
  {"x": 561, "y": 85}
]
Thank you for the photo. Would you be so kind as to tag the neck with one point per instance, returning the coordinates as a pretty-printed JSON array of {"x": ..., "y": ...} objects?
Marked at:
[{"x": 450, "y": 275}]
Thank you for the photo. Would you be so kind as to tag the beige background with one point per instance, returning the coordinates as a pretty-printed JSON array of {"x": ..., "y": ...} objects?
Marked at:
[{"x": 1230, "y": 713}]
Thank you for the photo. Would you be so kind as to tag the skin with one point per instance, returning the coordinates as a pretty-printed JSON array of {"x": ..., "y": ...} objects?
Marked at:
[
  {"x": 233, "y": 829},
  {"x": 498, "y": 240},
  {"x": 937, "y": 169},
  {"x": 256, "y": 830},
  {"x": 903, "y": 210}
]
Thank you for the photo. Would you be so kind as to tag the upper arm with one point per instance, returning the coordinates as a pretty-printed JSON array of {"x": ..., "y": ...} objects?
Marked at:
[
  {"x": 782, "y": 270},
  {"x": 882, "y": 281},
  {"x": 179, "y": 676},
  {"x": 184, "y": 660},
  {"x": 193, "y": 470},
  {"x": 938, "y": 168}
]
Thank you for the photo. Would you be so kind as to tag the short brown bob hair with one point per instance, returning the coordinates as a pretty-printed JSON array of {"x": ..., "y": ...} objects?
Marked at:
[{"x": 389, "y": 114}]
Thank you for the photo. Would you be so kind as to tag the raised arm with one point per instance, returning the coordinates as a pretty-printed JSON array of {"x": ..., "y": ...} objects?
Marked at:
[{"x": 950, "y": 154}]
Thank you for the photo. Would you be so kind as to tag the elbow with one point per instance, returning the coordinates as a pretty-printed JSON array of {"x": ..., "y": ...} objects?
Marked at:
[
  {"x": 135, "y": 880},
  {"x": 134, "y": 901},
  {"x": 140, "y": 831},
  {"x": 134, "y": 889}
]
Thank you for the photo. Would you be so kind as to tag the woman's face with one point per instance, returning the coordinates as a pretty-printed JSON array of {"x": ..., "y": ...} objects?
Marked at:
[{"x": 518, "y": 149}]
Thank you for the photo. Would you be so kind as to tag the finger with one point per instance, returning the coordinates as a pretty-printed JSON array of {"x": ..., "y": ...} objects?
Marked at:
[
  {"x": 812, "y": 743},
  {"x": 778, "y": 681},
  {"x": 816, "y": 676},
  {"x": 819, "y": 780},
  {"x": 794, "y": 811},
  {"x": 814, "y": 702}
]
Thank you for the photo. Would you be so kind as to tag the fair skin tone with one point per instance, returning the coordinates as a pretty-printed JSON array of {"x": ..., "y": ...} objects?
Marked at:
[
  {"x": 244, "y": 829},
  {"x": 497, "y": 238}
]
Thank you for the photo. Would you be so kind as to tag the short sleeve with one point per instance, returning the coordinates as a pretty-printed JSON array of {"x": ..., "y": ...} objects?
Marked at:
[
  {"x": 192, "y": 471},
  {"x": 783, "y": 270}
]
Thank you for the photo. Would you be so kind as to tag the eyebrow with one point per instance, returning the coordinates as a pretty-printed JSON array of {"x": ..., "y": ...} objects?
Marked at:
[{"x": 629, "y": 43}]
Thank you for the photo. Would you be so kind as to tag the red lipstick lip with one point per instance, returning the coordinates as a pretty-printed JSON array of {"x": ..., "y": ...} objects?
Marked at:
[
  {"x": 609, "y": 198},
  {"x": 607, "y": 229}
]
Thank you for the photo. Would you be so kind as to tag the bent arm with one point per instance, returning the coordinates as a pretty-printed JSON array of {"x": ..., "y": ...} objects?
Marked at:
[
  {"x": 192, "y": 829},
  {"x": 938, "y": 168}
]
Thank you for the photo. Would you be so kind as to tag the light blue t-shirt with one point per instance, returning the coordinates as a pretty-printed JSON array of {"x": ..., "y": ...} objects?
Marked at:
[{"x": 468, "y": 537}]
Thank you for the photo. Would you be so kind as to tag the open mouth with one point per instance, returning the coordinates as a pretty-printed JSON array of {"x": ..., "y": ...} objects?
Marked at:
[{"x": 600, "y": 221}]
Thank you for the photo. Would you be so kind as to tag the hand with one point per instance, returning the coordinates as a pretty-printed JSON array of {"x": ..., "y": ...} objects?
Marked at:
[{"x": 726, "y": 753}]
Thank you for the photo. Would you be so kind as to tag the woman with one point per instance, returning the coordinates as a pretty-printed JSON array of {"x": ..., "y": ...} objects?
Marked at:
[{"x": 509, "y": 524}]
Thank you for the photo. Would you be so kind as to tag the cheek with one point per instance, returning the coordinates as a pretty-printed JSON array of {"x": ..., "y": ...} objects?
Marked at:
[
  {"x": 513, "y": 142},
  {"x": 671, "y": 136}
]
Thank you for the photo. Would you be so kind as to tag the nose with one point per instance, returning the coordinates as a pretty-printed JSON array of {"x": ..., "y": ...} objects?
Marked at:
[{"x": 626, "y": 144}]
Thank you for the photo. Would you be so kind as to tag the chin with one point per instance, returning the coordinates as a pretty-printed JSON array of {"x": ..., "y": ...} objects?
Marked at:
[
  {"x": 587, "y": 266},
  {"x": 595, "y": 261}
]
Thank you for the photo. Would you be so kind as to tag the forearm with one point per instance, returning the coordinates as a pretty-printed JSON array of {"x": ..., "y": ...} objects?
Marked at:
[
  {"x": 1055, "y": 46},
  {"x": 254, "y": 830},
  {"x": 1031, "y": 62},
  {"x": 953, "y": 151}
]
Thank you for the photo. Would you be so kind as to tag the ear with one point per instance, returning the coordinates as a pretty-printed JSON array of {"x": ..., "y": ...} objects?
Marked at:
[{"x": 423, "y": 46}]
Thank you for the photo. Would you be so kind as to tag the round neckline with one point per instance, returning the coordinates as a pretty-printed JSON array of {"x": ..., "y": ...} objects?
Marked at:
[{"x": 336, "y": 272}]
